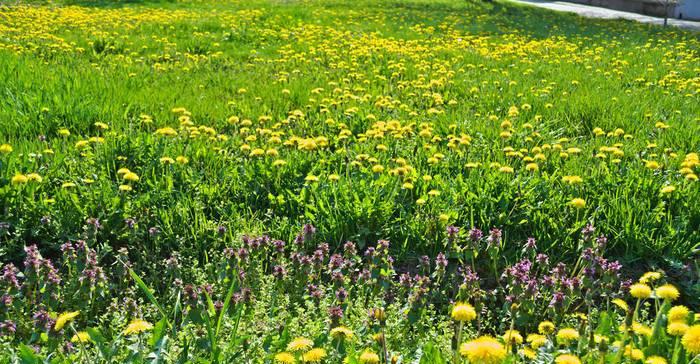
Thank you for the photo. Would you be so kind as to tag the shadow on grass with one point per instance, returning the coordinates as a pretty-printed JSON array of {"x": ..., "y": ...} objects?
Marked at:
[
  {"x": 503, "y": 16},
  {"x": 113, "y": 3}
]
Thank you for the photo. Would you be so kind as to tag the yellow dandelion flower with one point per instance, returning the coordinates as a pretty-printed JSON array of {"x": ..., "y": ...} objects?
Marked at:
[
  {"x": 677, "y": 328},
  {"x": 131, "y": 176},
  {"x": 5, "y": 148},
  {"x": 257, "y": 152},
  {"x": 691, "y": 340},
  {"x": 536, "y": 340},
  {"x": 36, "y": 177},
  {"x": 652, "y": 165},
  {"x": 545, "y": 327},
  {"x": 667, "y": 292},
  {"x": 528, "y": 353},
  {"x": 667, "y": 190},
  {"x": 284, "y": 358},
  {"x": 641, "y": 329},
  {"x": 566, "y": 335},
  {"x": 678, "y": 313},
  {"x": 650, "y": 277},
  {"x": 578, "y": 203},
  {"x": 463, "y": 312},
  {"x": 80, "y": 337},
  {"x": 640, "y": 291},
  {"x": 567, "y": 359},
  {"x": 512, "y": 337},
  {"x": 621, "y": 304},
  {"x": 314, "y": 355},
  {"x": 483, "y": 350},
  {"x": 572, "y": 180},
  {"x": 655, "y": 360},
  {"x": 341, "y": 333},
  {"x": 369, "y": 357},
  {"x": 137, "y": 326},
  {"x": 19, "y": 179},
  {"x": 166, "y": 132},
  {"x": 300, "y": 344},
  {"x": 65, "y": 318},
  {"x": 634, "y": 354}
]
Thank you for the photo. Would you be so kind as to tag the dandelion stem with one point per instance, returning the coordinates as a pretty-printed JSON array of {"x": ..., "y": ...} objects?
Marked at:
[{"x": 458, "y": 337}]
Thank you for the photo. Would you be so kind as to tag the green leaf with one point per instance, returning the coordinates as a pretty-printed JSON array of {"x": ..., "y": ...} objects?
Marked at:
[
  {"x": 160, "y": 349},
  {"x": 177, "y": 309},
  {"x": 211, "y": 310},
  {"x": 99, "y": 340},
  {"x": 149, "y": 294},
  {"x": 213, "y": 341},
  {"x": 158, "y": 333},
  {"x": 227, "y": 301},
  {"x": 604, "y": 324},
  {"x": 431, "y": 355},
  {"x": 27, "y": 355},
  {"x": 184, "y": 355}
]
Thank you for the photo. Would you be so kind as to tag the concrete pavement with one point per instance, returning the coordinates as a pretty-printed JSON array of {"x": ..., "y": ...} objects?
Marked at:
[{"x": 604, "y": 13}]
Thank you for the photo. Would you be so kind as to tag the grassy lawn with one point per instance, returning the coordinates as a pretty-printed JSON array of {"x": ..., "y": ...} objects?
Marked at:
[{"x": 158, "y": 129}]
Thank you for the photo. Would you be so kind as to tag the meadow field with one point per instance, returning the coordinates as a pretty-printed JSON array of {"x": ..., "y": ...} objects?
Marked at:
[{"x": 283, "y": 181}]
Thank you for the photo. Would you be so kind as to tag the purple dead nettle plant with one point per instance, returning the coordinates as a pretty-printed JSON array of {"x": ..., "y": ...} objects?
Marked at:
[
  {"x": 527, "y": 283},
  {"x": 10, "y": 287},
  {"x": 41, "y": 278}
]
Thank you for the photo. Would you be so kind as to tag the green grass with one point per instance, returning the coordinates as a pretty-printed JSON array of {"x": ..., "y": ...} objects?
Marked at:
[
  {"x": 369, "y": 120},
  {"x": 355, "y": 48}
]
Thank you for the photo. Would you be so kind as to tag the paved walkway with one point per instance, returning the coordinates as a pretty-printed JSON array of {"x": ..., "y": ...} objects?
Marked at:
[{"x": 604, "y": 13}]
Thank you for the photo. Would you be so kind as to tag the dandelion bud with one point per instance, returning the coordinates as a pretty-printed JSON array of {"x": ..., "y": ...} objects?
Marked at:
[
  {"x": 378, "y": 338},
  {"x": 378, "y": 314}
]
